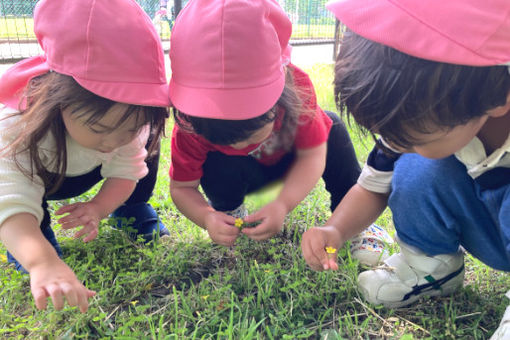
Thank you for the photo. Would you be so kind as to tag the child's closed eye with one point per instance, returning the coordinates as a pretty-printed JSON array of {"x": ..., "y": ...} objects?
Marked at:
[{"x": 96, "y": 130}]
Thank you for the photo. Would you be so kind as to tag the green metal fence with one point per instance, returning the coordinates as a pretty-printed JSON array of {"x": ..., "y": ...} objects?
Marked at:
[{"x": 312, "y": 24}]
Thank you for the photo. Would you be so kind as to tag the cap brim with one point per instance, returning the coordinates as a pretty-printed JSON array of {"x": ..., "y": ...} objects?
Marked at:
[
  {"x": 231, "y": 104},
  {"x": 134, "y": 93},
  {"x": 15, "y": 79},
  {"x": 383, "y": 21}
]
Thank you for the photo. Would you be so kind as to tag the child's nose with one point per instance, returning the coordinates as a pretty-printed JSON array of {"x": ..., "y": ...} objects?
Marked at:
[{"x": 115, "y": 140}]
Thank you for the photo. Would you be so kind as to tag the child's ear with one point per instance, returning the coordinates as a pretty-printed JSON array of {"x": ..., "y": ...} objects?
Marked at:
[{"x": 500, "y": 110}]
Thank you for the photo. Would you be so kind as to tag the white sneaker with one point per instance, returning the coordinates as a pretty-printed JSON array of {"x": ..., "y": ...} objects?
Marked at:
[
  {"x": 369, "y": 246},
  {"x": 411, "y": 274},
  {"x": 239, "y": 212},
  {"x": 503, "y": 331}
]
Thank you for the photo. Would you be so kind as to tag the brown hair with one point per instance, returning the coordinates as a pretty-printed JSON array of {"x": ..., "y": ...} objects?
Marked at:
[
  {"x": 392, "y": 93},
  {"x": 226, "y": 132},
  {"x": 46, "y": 96}
]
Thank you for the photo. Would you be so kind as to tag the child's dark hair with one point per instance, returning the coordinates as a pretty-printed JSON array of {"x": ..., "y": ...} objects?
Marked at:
[
  {"x": 226, "y": 132},
  {"x": 392, "y": 93},
  {"x": 47, "y": 96}
]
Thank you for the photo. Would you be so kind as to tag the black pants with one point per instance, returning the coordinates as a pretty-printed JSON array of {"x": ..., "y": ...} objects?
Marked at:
[
  {"x": 228, "y": 179},
  {"x": 75, "y": 186}
]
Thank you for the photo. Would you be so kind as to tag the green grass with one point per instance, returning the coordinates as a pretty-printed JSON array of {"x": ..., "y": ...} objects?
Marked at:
[{"x": 188, "y": 288}]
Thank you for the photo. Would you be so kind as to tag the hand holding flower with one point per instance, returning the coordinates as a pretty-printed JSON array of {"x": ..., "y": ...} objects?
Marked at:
[
  {"x": 317, "y": 248},
  {"x": 222, "y": 228}
]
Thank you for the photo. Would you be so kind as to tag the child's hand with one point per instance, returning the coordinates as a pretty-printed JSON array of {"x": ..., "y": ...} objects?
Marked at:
[
  {"x": 84, "y": 214},
  {"x": 316, "y": 243},
  {"x": 271, "y": 219},
  {"x": 221, "y": 228},
  {"x": 56, "y": 280}
]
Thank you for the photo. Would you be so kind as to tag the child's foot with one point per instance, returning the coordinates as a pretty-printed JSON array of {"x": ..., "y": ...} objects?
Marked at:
[
  {"x": 146, "y": 221},
  {"x": 411, "y": 274},
  {"x": 503, "y": 331},
  {"x": 368, "y": 247},
  {"x": 50, "y": 236},
  {"x": 239, "y": 212}
]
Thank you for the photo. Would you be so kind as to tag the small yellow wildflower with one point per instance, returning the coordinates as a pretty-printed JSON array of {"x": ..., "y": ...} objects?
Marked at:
[
  {"x": 134, "y": 302},
  {"x": 330, "y": 250},
  {"x": 3, "y": 258},
  {"x": 205, "y": 297},
  {"x": 239, "y": 222}
]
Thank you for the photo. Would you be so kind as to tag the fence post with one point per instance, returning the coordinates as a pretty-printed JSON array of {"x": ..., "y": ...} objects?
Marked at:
[
  {"x": 177, "y": 7},
  {"x": 337, "y": 39}
]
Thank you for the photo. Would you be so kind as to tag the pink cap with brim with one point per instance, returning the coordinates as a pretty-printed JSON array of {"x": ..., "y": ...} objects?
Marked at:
[
  {"x": 228, "y": 58},
  {"x": 465, "y": 32},
  {"x": 109, "y": 47}
]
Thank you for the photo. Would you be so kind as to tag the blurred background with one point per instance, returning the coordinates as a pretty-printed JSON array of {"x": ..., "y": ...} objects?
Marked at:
[{"x": 312, "y": 25}]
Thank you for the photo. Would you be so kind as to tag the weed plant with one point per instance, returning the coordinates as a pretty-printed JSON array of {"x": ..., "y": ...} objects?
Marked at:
[{"x": 186, "y": 287}]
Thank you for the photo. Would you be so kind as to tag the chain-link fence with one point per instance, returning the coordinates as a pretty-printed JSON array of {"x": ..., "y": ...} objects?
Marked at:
[{"x": 312, "y": 23}]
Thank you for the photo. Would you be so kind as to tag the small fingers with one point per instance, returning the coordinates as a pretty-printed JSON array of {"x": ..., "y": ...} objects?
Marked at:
[
  {"x": 89, "y": 228},
  {"x": 91, "y": 236},
  {"x": 74, "y": 295},
  {"x": 223, "y": 240},
  {"x": 40, "y": 298},
  {"x": 318, "y": 249},
  {"x": 226, "y": 238},
  {"x": 310, "y": 256},
  {"x": 260, "y": 232},
  {"x": 70, "y": 293},
  {"x": 332, "y": 264},
  {"x": 66, "y": 209},
  {"x": 255, "y": 217},
  {"x": 73, "y": 220},
  {"x": 83, "y": 302},
  {"x": 56, "y": 295}
]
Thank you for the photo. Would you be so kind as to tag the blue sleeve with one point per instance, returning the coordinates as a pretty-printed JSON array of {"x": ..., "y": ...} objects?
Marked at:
[{"x": 381, "y": 160}]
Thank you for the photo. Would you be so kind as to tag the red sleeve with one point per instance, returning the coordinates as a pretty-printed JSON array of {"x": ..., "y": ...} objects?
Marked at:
[
  {"x": 188, "y": 156},
  {"x": 314, "y": 125}
]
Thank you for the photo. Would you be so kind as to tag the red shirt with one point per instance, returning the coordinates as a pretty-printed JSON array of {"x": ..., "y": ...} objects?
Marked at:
[{"x": 189, "y": 150}]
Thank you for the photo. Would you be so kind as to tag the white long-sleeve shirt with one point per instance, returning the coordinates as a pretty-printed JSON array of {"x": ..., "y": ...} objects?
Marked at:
[{"x": 21, "y": 194}]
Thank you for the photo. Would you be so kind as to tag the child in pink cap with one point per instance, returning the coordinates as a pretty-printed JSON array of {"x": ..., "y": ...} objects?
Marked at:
[
  {"x": 83, "y": 111},
  {"x": 245, "y": 117},
  {"x": 431, "y": 79}
]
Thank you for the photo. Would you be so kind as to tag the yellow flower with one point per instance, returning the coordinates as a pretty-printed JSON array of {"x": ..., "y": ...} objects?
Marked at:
[
  {"x": 239, "y": 222},
  {"x": 3, "y": 258},
  {"x": 134, "y": 302},
  {"x": 330, "y": 250},
  {"x": 205, "y": 297}
]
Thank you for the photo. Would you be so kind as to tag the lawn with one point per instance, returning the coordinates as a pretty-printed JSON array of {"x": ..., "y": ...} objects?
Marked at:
[{"x": 186, "y": 287}]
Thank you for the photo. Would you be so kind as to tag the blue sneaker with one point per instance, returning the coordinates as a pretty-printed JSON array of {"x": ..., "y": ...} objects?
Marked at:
[
  {"x": 50, "y": 236},
  {"x": 146, "y": 221}
]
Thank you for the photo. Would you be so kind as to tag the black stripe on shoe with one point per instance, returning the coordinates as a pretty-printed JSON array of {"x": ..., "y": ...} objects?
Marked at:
[{"x": 433, "y": 284}]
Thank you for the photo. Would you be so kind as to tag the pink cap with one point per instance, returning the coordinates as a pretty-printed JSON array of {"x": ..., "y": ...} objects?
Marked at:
[
  {"x": 109, "y": 47},
  {"x": 228, "y": 58},
  {"x": 466, "y": 32}
]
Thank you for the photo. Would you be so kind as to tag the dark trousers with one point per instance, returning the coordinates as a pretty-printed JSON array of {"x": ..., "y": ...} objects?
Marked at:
[
  {"x": 75, "y": 186},
  {"x": 228, "y": 179}
]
